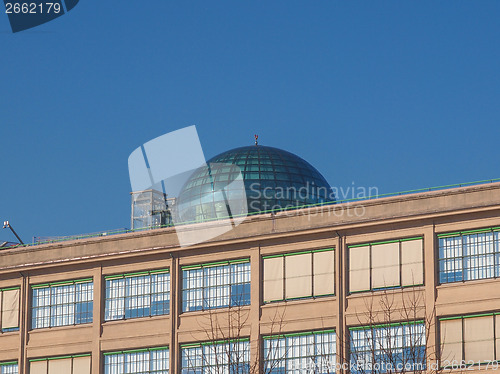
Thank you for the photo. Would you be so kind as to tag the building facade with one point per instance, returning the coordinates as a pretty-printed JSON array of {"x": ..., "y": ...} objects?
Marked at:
[{"x": 302, "y": 291}]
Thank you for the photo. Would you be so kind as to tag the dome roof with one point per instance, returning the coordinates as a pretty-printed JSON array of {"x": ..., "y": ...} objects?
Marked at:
[{"x": 273, "y": 179}]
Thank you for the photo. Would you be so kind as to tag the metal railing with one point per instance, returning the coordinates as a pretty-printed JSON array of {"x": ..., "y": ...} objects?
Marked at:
[{"x": 46, "y": 240}]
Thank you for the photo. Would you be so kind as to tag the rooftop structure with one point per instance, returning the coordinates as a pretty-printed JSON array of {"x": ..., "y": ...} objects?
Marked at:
[{"x": 269, "y": 179}]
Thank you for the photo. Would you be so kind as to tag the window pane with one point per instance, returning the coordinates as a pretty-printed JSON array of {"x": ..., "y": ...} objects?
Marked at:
[
  {"x": 451, "y": 340},
  {"x": 41, "y": 308},
  {"x": 389, "y": 348},
  {"x": 385, "y": 265},
  {"x": 115, "y": 299},
  {"x": 324, "y": 273},
  {"x": 310, "y": 353},
  {"x": 273, "y": 279},
  {"x": 298, "y": 276},
  {"x": 412, "y": 262},
  {"x": 192, "y": 293},
  {"x": 137, "y": 296},
  {"x": 240, "y": 284},
  {"x": 160, "y": 294},
  {"x": 140, "y": 362},
  {"x": 479, "y": 338},
  {"x": 230, "y": 358},
  {"x": 9, "y": 368},
  {"x": 84, "y": 302},
  {"x": 217, "y": 286},
  {"x": 359, "y": 269},
  {"x": 62, "y": 305},
  {"x": 469, "y": 256},
  {"x": 62, "y": 301}
]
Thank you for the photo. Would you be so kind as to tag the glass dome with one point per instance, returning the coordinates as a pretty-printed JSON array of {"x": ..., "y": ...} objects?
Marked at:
[{"x": 273, "y": 179}]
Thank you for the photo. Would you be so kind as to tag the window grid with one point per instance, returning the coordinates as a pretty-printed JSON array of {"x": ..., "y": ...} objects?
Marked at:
[
  {"x": 313, "y": 352},
  {"x": 68, "y": 360},
  {"x": 144, "y": 361},
  {"x": 469, "y": 256},
  {"x": 388, "y": 348},
  {"x": 313, "y": 295},
  {"x": 132, "y": 296},
  {"x": 65, "y": 304},
  {"x": 495, "y": 338},
  {"x": 9, "y": 329},
  {"x": 371, "y": 288},
  {"x": 9, "y": 367},
  {"x": 209, "y": 358},
  {"x": 215, "y": 286}
]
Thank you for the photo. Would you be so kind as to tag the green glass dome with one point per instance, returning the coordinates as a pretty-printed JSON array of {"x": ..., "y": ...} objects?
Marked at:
[{"x": 273, "y": 179}]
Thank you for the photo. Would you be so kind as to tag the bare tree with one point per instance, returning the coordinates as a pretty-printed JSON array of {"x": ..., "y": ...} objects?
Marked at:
[
  {"x": 226, "y": 349},
  {"x": 392, "y": 335}
]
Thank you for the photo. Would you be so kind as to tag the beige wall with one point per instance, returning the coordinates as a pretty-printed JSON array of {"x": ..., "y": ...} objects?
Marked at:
[{"x": 422, "y": 215}]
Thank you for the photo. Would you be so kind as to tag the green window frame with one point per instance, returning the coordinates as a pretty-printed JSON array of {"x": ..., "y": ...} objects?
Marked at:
[
  {"x": 139, "y": 294},
  {"x": 286, "y": 276}
]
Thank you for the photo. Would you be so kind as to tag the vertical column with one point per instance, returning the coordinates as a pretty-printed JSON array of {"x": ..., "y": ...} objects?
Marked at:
[
  {"x": 24, "y": 324},
  {"x": 254, "y": 318},
  {"x": 430, "y": 258},
  {"x": 341, "y": 276},
  {"x": 175, "y": 310},
  {"x": 97, "y": 319}
]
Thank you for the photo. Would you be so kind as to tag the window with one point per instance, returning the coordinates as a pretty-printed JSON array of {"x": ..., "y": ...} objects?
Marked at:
[
  {"x": 62, "y": 303},
  {"x": 311, "y": 352},
  {"x": 77, "y": 364},
  {"x": 9, "y": 367},
  {"x": 222, "y": 357},
  {"x": 383, "y": 265},
  {"x": 299, "y": 275},
  {"x": 9, "y": 306},
  {"x": 474, "y": 339},
  {"x": 216, "y": 285},
  {"x": 137, "y": 295},
  {"x": 469, "y": 255},
  {"x": 139, "y": 361},
  {"x": 388, "y": 348}
]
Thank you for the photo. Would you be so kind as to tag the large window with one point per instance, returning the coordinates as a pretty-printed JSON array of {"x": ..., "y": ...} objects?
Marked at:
[
  {"x": 299, "y": 275},
  {"x": 137, "y": 295},
  {"x": 469, "y": 255},
  {"x": 76, "y": 364},
  {"x": 311, "y": 352},
  {"x": 216, "y": 285},
  {"x": 388, "y": 348},
  {"x": 389, "y": 264},
  {"x": 62, "y": 303},
  {"x": 9, "y": 306},
  {"x": 9, "y": 367},
  {"x": 139, "y": 361},
  {"x": 470, "y": 339},
  {"x": 221, "y": 357}
]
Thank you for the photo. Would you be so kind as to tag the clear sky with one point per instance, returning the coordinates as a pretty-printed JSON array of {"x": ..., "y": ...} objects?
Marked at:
[{"x": 394, "y": 94}]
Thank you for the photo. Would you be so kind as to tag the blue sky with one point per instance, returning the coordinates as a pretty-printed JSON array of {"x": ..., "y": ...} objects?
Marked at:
[{"x": 393, "y": 94}]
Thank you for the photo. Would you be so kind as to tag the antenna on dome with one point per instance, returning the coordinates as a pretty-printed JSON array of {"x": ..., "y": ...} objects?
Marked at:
[{"x": 256, "y": 139}]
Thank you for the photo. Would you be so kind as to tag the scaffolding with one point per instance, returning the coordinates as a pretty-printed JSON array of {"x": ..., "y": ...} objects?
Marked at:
[{"x": 150, "y": 208}]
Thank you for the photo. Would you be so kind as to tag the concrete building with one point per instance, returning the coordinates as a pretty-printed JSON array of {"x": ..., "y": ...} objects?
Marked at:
[{"x": 297, "y": 291}]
